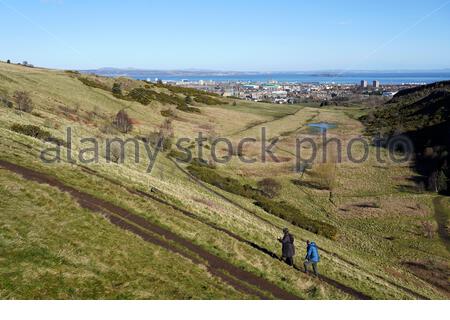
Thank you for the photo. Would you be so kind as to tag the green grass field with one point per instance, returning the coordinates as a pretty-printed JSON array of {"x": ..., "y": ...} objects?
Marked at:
[{"x": 53, "y": 248}]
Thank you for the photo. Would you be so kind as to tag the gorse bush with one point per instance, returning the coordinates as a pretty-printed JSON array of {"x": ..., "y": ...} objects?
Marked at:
[
  {"x": 168, "y": 113},
  {"x": 31, "y": 130},
  {"x": 117, "y": 89},
  {"x": 279, "y": 209},
  {"x": 199, "y": 96},
  {"x": 208, "y": 100},
  {"x": 176, "y": 154},
  {"x": 188, "y": 100},
  {"x": 36, "y": 132},
  {"x": 94, "y": 83},
  {"x": 186, "y": 108},
  {"x": 72, "y": 72},
  {"x": 145, "y": 96},
  {"x": 206, "y": 173},
  {"x": 185, "y": 91},
  {"x": 291, "y": 214}
]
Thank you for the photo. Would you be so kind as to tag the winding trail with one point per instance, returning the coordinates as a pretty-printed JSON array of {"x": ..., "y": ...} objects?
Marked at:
[
  {"x": 441, "y": 217},
  {"x": 348, "y": 290},
  {"x": 354, "y": 293},
  {"x": 342, "y": 287},
  {"x": 241, "y": 280},
  {"x": 266, "y": 122}
]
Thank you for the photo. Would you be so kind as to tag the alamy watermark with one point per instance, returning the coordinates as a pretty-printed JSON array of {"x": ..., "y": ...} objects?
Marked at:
[{"x": 399, "y": 149}]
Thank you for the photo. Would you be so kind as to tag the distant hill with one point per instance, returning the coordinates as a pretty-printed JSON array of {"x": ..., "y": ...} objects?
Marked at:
[{"x": 423, "y": 114}]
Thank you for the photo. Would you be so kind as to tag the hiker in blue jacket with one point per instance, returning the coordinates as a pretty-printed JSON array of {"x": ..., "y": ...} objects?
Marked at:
[{"x": 312, "y": 257}]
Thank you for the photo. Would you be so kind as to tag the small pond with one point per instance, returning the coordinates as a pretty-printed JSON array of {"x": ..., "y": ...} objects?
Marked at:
[{"x": 321, "y": 126}]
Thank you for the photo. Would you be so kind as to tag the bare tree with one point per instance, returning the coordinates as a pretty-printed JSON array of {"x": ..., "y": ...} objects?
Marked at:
[
  {"x": 166, "y": 128},
  {"x": 123, "y": 122},
  {"x": 437, "y": 181},
  {"x": 166, "y": 133},
  {"x": 23, "y": 101}
]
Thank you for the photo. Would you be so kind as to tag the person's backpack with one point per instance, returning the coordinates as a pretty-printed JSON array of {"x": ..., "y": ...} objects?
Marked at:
[{"x": 291, "y": 237}]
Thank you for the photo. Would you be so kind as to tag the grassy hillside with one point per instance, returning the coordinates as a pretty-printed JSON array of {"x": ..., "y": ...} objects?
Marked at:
[
  {"x": 180, "y": 236},
  {"x": 422, "y": 114}
]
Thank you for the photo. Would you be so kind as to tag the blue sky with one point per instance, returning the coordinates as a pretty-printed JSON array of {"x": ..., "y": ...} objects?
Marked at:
[{"x": 227, "y": 35}]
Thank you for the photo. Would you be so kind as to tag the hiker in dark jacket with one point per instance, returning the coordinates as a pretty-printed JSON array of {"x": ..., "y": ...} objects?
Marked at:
[
  {"x": 287, "y": 249},
  {"x": 312, "y": 257}
]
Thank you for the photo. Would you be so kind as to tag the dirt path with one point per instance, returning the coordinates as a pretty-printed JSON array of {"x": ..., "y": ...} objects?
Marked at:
[
  {"x": 241, "y": 280},
  {"x": 356, "y": 294},
  {"x": 352, "y": 292},
  {"x": 342, "y": 287},
  {"x": 266, "y": 122},
  {"x": 442, "y": 220}
]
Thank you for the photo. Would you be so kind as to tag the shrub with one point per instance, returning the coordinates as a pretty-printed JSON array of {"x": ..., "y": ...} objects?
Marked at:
[
  {"x": 37, "y": 114},
  {"x": 167, "y": 143},
  {"x": 186, "y": 108},
  {"x": 141, "y": 95},
  {"x": 169, "y": 113},
  {"x": 5, "y": 102},
  {"x": 324, "y": 175},
  {"x": 145, "y": 96},
  {"x": 123, "y": 122},
  {"x": 270, "y": 187},
  {"x": 167, "y": 134},
  {"x": 115, "y": 153},
  {"x": 166, "y": 128},
  {"x": 117, "y": 89},
  {"x": 31, "y": 130},
  {"x": 291, "y": 214},
  {"x": 155, "y": 137},
  {"x": 36, "y": 132},
  {"x": 23, "y": 101},
  {"x": 188, "y": 100},
  {"x": 94, "y": 83},
  {"x": 205, "y": 99},
  {"x": 178, "y": 155},
  {"x": 8, "y": 61},
  {"x": 204, "y": 172},
  {"x": 186, "y": 91},
  {"x": 72, "y": 72}
]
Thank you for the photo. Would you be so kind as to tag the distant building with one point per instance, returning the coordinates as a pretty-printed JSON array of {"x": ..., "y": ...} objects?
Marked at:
[
  {"x": 376, "y": 84},
  {"x": 389, "y": 93},
  {"x": 279, "y": 93},
  {"x": 363, "y": 83}
]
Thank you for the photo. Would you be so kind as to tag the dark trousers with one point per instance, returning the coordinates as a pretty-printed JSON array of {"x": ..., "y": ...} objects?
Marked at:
[
  {"x": 288, "y": 260},
  {"x": 314, "y": 265}
]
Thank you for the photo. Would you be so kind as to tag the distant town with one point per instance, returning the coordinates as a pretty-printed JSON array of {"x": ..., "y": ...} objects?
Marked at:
[{"x": 291, "y": 93}]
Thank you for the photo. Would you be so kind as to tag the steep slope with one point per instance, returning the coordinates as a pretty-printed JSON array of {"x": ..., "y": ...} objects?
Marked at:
[{"x": 422, "y": 114}]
